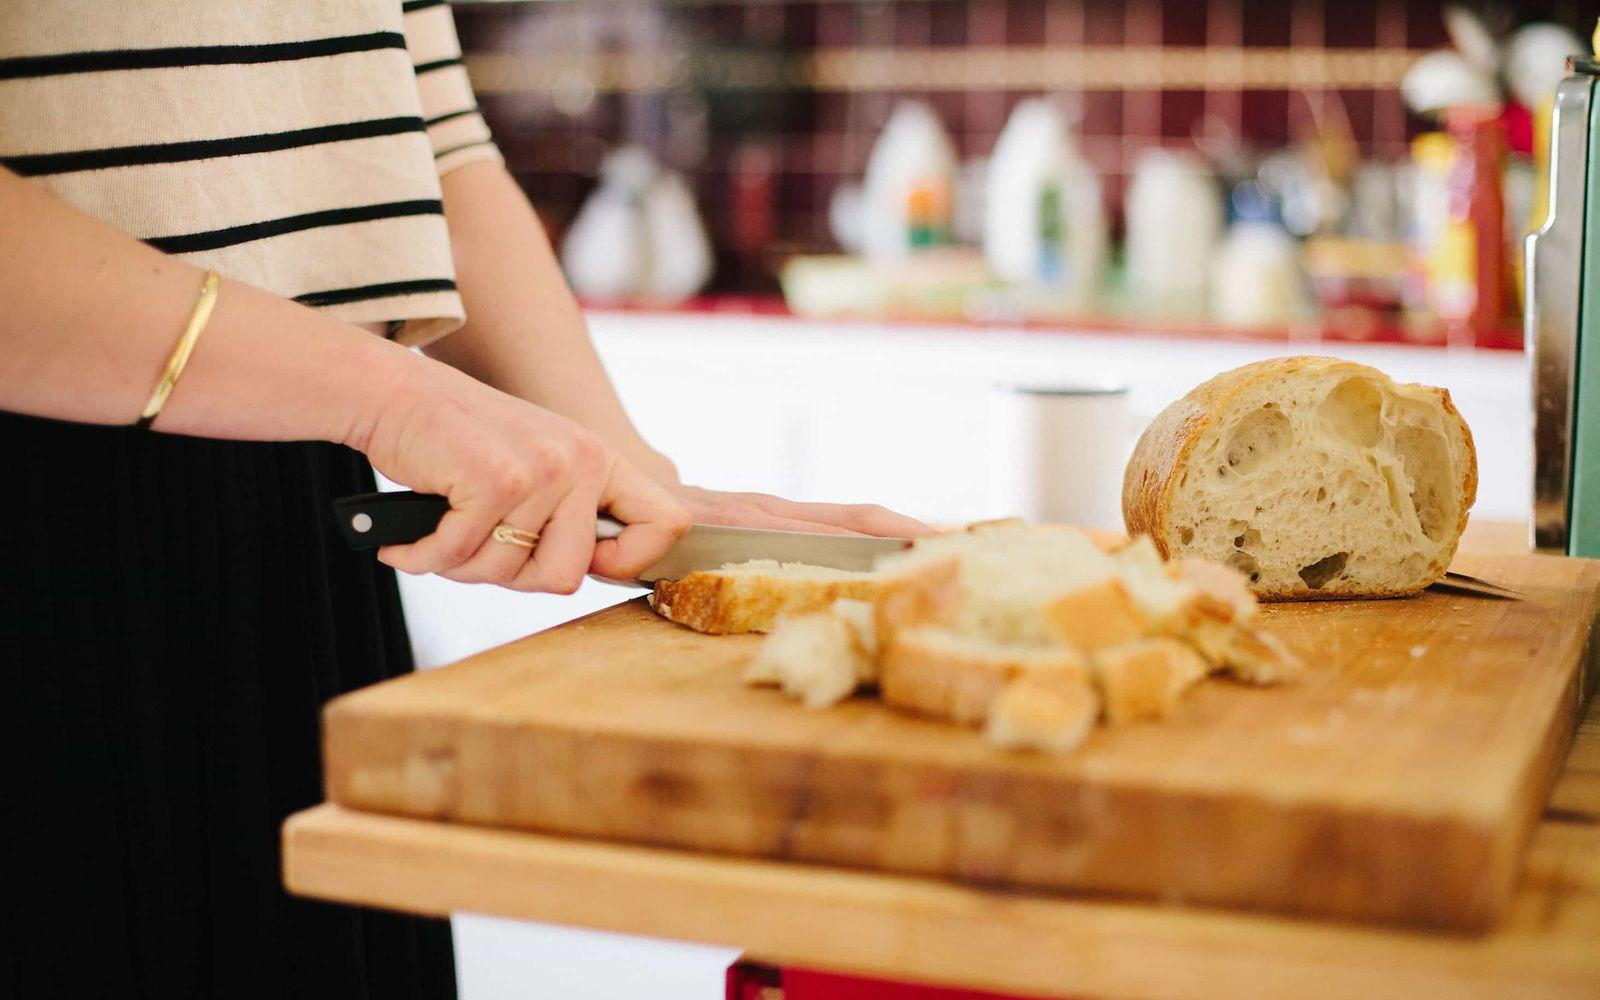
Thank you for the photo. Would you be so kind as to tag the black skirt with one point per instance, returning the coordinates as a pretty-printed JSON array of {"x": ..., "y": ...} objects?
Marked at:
[{"x": 174, "y": 614}]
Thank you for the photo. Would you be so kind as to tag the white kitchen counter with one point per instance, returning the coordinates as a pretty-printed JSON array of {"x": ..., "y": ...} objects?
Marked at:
[
  {"x": 896, "y": 414},
  {"x": 900, "y": 414}
]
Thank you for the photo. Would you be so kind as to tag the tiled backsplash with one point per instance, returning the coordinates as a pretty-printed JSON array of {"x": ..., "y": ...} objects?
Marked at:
[{"x": 768, "y": 106}]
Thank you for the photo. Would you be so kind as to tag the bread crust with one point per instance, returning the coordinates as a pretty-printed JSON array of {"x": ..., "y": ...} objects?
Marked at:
[
  {"x": 1053, "y": 713},
  {"x": 1097, "y": 616},
  {"x": 957, "y": 685},
  {"x": 1159, "y": 459},
  {"x": 724, "y": 604},
  {"x": 923, "y": 593},
  {"x": 1144, "y": 679}
]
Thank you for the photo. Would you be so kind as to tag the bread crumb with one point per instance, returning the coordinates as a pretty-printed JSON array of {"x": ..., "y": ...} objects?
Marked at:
[{"x": 1417, "y": 652}]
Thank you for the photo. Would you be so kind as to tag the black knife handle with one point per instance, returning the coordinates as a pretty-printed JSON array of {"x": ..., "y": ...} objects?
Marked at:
[{"x": 371, "y": 520}]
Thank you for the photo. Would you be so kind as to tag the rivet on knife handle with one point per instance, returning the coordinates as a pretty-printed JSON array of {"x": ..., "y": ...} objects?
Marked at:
[{"x": 371, "y": 520}]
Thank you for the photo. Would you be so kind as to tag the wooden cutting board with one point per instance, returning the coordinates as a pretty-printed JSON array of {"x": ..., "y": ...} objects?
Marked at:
[{"x": 1396, "y": 782}]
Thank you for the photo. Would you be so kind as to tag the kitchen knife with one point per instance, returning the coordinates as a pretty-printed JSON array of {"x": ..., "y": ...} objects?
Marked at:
[
  {"x": 1461, "y": 583},
  {"x": 374, "y": 519},
  {"x": 371, "y": 520}
]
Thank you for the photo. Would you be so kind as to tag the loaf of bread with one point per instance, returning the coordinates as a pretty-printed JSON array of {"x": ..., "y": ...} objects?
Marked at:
[{"x": 1316, "y": 478}]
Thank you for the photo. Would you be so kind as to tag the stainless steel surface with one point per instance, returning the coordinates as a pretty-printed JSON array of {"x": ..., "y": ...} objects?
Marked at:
[
  {"x": 1554, "y": 257},
  {"x": 1462, "y": 583},
  {"x": 709, "y": 546}
]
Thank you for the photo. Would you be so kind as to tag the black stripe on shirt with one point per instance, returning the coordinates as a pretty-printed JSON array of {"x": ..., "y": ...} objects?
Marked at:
[
  {"x": 38, "y": 164},
  {"x": 429, "y": 67},
  {"x": 438, "y": 119},
  {"x": 361, "y": 293},
  {"x": 195, "y": 55},
  {"x": 234, "y": 235},
  {"x": 411, "y": 5},
  {"x": 441, "y": 154}
]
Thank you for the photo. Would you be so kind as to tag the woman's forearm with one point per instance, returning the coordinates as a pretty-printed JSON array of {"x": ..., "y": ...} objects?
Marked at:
[
  {"x": 91, "y": 316},
  {"x": 525, "y": 334}
]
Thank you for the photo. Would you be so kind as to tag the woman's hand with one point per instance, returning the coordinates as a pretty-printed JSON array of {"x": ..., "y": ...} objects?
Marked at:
[
  {"x": 525, "y": 334},
  {"x": 501, "y": 460},
  {"x": 758, "y": 510}
]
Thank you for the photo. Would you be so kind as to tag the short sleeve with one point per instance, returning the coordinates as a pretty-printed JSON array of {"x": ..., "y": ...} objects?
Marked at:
[{"x": 449, "y": 108}]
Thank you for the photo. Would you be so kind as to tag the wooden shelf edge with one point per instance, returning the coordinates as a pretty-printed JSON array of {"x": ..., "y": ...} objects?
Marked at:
[
  {"x": 875, "y": 69},
  {"x": 927, "y": 930}
]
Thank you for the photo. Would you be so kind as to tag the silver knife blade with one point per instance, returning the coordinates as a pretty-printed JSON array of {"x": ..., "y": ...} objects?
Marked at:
[
  {"x": 711, "y": 546},
  {"x": 1462, "y": 583}
]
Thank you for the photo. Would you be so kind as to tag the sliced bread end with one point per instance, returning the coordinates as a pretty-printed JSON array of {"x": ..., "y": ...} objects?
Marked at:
[{"x": 751, "y": 597}]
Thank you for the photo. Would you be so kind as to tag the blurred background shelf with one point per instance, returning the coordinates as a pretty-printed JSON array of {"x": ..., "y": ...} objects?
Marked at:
[
  {"x": 800, "y": 88},
  {"x": 937, "y": 68}
]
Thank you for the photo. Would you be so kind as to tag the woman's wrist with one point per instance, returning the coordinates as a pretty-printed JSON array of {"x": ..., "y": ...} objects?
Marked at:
[
  {"x": 651, "y": 462},
  {"x": 392, "y": 379}
]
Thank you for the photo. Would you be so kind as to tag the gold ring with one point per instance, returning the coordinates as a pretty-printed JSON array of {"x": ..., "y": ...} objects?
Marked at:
[{"x": 516, "y": 536}]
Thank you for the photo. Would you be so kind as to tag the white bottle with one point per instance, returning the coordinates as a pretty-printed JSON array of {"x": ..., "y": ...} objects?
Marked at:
[
  {"x": 606, "y": 253},
  {"x": 908, "y": 191},
  {"x": 680, "y": 251},
  {"x": 1174, "y": 221},
  {"x": 1044, "y": 223},
  {"x": 1256, "y": 279}
]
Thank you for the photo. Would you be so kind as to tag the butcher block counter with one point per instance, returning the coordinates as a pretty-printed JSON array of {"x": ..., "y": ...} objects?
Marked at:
[{"x": 1420, "y": 816}]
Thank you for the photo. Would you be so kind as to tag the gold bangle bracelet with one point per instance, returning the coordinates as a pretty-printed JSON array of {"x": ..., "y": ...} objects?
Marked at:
[{"x": 180, "y": 353}]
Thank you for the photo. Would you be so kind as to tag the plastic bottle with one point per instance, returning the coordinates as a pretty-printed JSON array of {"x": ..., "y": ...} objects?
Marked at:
[
  {"x": 1256, "y": 279},
  {"x": 1044, "y": 223},
  {"x": 1472, "y": 299},
  {"x": 1174, "y": 221},
  {"x": 907, "y": 194},
  {"x": 1432, "y": 155}
]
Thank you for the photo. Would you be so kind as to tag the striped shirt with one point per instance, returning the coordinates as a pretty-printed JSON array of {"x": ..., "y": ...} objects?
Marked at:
[{"x": 295, "y": 145}]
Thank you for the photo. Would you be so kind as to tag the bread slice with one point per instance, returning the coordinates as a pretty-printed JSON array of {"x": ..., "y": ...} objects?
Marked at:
[
  {"x": 752, "y": 596},
  {"x": 1021, "y": 584},
  {"x": 1317, "y": 478},
  {"x": 859, "y": 616},
  {"x": 940, "y": 673},
  {"x": 917, "y": 588},
  {"x": 1049, "y": 712},
  {"x": 1026, "y": 631},
  {"x": 1097, "y": 616},
  {"x": 1143, "y": 679},
  {"x": 1009, "y": 574},
  {"x": 821, "y": 657}
]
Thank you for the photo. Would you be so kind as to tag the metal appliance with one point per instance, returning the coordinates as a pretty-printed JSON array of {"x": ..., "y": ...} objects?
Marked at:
[{"x": 1562, "y": 326}]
